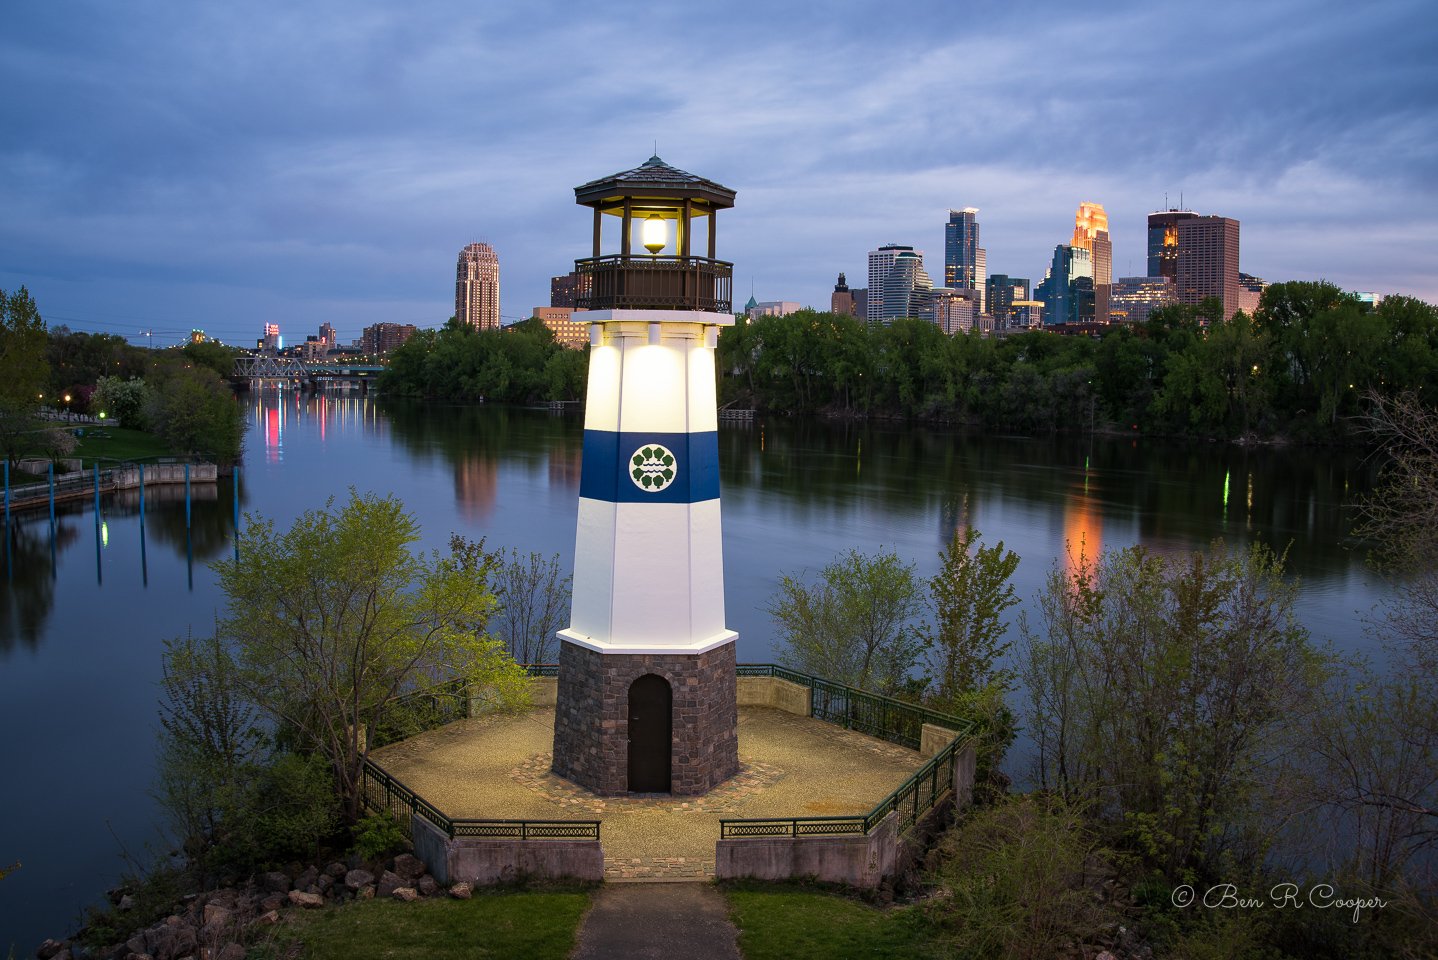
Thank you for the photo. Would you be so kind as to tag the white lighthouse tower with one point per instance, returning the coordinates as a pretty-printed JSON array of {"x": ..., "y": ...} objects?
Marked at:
[{"x": 646, "y": 668}]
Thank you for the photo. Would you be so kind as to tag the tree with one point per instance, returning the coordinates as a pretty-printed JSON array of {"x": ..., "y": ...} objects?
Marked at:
[
  {"x": 533, "y": 602},
  {"x": 334, "y": 620},
  {"x": 968, "y": 596},
  {"x": 853, "y": 625},
  {"x": 195, "y": 412},
  {"x": 24, "y": 372},
  {"x": 123, "y": 401},
  {"x": 1170, "y": 693}
]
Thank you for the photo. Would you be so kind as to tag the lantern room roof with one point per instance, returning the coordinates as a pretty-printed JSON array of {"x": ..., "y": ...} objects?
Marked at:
[{"x": 654, "y": 179}]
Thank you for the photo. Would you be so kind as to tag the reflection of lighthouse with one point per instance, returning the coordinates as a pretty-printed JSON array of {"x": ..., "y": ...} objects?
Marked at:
[
  {"x": 1083, "y": 530},
  {"x": 646, "y": 699},
  {"x": 476, "y": 486}
]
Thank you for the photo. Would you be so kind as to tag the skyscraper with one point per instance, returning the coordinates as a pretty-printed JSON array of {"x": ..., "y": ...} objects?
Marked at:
[
  {"x": 965, "y": 262},
  {"x": 880, "y": 262},
  {"x": 902, "y": 288},
  {"x": 1163, "y": 242},
  {"x": 1091, "y": 233},
  {"x": 1208, "y": 262},
  {"x": 1067, "y": 287},
  {"x": 1000, "y": 292},
  {"x": 476, "y": 287}
]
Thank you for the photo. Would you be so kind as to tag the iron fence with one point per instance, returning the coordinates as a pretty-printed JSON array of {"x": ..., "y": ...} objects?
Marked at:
[{"x": 383, "y": 793}]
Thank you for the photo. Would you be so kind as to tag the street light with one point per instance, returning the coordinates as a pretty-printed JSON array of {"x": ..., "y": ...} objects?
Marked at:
[{"x": 654, "y": 234}]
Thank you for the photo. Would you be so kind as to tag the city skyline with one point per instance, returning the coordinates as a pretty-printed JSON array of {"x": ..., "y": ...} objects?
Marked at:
[{"x": 168, "y": 169}]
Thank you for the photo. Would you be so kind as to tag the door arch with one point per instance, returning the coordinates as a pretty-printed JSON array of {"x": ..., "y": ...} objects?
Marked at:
[{"x": 650, "y": 734}]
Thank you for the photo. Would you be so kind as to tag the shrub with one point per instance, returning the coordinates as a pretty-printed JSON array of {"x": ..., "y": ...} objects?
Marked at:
[
  {"x": 377, "y": 835},
  {"x": 1024, "y": 879}
]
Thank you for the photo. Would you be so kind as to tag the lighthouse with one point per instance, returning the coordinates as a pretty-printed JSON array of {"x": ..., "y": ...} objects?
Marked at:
[{"x": 646, "y": 693}]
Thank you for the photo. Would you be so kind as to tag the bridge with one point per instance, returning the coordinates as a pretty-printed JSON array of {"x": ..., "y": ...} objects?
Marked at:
[{"x": 305, "y": 374}]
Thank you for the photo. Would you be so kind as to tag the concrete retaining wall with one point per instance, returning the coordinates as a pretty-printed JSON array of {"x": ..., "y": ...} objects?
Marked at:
[
  {"x": 124, "y": 479},
  {"x": 932, "y": 739},
  {"x": 484, "y": 861},
  {"x": 859, "y": 861},
  {"x": 773, "y": 692}
]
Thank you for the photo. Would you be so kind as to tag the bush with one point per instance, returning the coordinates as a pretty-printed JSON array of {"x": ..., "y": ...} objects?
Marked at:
[
  {"x": 1023, "y": 879},
  {"x": 377, "y": 835}
]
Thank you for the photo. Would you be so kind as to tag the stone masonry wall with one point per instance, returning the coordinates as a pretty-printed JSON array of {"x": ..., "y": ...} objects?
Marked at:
[{"x": 591, "y": 720}]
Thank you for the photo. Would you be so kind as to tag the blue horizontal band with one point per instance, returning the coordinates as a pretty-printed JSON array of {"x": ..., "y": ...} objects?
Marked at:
[{"x": 608, "y": 466}]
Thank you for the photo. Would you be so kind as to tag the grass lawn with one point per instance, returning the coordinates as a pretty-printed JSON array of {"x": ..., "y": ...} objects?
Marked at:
[
  {"x": 785, "y": 923},
  {"x": 539, "y": 925},
  {"x": 118, "y": 443}
]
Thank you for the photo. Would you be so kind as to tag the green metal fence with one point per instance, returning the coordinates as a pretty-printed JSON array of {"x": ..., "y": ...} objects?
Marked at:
[
  {"x": 425, "y": 710},
  {"x": 885, "y": 717},
  {"x": 386, "y": 794}
]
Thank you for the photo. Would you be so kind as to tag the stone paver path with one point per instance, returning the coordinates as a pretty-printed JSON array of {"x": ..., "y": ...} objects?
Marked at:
[
  {"x": 653, "y": 921},
  {"x": 791, "y": 767}
]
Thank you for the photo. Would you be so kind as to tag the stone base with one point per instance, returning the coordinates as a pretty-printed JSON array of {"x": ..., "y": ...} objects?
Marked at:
[{"x": 591, "y": 722}]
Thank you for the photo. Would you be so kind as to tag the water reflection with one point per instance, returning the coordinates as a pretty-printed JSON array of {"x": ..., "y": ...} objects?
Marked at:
[{"x": 197, "y": 530}]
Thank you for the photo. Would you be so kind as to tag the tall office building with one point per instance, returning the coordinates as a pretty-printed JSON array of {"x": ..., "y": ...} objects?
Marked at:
[
  {"x": 1208, "y": 262},
  {"x": 965, "y": 262},
  {"x": 1163, "y": 242},
  {"x": 1091, "y": 233},
  {"x": 842, "y": 300},
  {"x": 1000, "y": 292},
  {"x": 881, "y": 264},
  {"x": 861, "y": 302},
  {"x": 901, "y": 289},
  {"x": 272, "y": 340},
  {"x": 328, "y": 336},
  {"x": 1067, "y": 287},
  {"x": 476, "y": 287}
]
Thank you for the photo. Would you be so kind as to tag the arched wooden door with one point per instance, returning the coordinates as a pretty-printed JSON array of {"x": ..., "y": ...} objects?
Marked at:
[{"x": 650, "y": 733}]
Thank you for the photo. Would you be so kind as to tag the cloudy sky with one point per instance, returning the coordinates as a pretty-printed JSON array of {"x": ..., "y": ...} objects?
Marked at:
[{"x": 187, "y": 164}]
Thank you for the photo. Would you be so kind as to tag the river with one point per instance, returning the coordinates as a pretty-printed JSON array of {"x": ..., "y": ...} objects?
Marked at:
[{"x": 83, "y": 613}]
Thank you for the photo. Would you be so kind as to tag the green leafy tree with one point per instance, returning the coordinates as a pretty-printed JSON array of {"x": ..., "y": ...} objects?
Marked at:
[
  {"x": 966, "y": 641},
  {"x": 195, "y": 412},
  {"x": 124, "y": 401},
  {"x": 334, "y": 620},
  {"x": 854, "y": 624},
  {"x": 24, "y": 371}
]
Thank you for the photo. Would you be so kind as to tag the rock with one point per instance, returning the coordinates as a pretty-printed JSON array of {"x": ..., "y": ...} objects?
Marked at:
[
  {"x": 355, "y": 879},
  {"x": 427, "y": 886},
  {"x": 127, "y": 902},
  {"x": 267, "y": 919},
  {"x": 389, "y": 882},
  {"x": 462, "y": 890},
  {"x": 408, "y": 866},
  {"x": 138, "y": 956},
  {"x": 64, "y": 954},
  {"x": 365, "y": 892},
  {"x": 407, "y": 894},
  {"x": 231, "y": 951},
  {"x": 272, "y": 902},
  {"x": 48, "y": 949},
  {"x": 336, "y": 870},
  {"x": 307, "y": 879},
  {"x": 216, "y": 914},
  {"x": 276, "y": 882},
  {"x": 1105, "y": 955},
  {"x": 307, "y": 900},
  {"x": 136, "y": 944}
]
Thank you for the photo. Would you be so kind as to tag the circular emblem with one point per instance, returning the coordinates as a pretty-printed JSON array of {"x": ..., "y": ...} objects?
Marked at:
[{"x": 652, "y": 468}]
